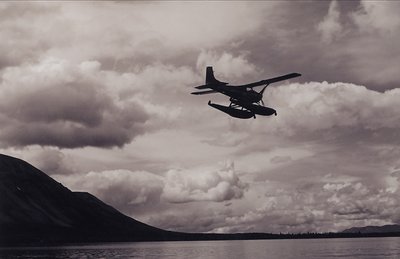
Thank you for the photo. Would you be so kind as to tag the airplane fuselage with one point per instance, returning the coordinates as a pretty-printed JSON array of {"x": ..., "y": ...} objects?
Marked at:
[{"x": 238, "y": 93}]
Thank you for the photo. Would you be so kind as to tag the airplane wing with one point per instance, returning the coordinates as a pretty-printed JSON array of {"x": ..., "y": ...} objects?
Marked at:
[
  {"x": 271, "y": 80},
  {"x": 204, "y": 92}
]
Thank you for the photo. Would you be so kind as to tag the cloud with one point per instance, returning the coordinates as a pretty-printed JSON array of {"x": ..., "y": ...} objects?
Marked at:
[
  {"x": 182, "y": 186},
  {"x": 376, "y": 27},
  {"x": 349, "y": 202},
  {"x": 335, "y": 110},
  {"x": 226, "y": 64},
  {"x": 280, "y": 211},
  {"x": 317, "y": 117},
  {"x": 381, "y": 16},
  {"x": 319, "y": 207},
  {"x": 330, "y": 26},
  {"x": 138, "y": 32},
  {"x": 282, "y": 43},
  {"x": 141, "y": 193},
  {"x": 123, "y": 189},
  {"x": 53, "y": 161},
  {"x": 24, "y": 41},
  {"x": 65, "y": 105}
]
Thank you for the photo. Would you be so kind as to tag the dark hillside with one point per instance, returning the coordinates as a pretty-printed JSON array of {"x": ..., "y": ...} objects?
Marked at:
[{"x": 34, "y": 208}]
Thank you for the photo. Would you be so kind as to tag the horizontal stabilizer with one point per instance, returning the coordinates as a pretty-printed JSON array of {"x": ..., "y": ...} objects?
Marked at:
[
  {"x": 204, "y": 92},
  {"x": 272, "y": 80},
  {"x": 202, "y": 87}
]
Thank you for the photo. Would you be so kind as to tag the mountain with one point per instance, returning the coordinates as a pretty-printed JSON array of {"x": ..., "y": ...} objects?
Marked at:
[
  {"x": 374, "y": 229},
  {"x": 36, "y": 209}
]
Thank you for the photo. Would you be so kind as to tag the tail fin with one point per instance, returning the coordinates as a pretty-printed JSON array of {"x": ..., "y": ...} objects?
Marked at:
[
  {"x": 210, "y": 79},
  {"x": 210, "y": 76}
]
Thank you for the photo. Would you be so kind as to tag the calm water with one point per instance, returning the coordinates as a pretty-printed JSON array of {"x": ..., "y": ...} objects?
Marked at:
[{"x": 311, "y": 248}]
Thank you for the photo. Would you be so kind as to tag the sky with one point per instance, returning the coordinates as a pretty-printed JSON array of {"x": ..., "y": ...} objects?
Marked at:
[{"x": 97, "y": 95}]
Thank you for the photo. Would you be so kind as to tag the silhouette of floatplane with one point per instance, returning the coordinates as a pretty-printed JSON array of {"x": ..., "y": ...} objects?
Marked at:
[{"x": 245, "y": 101}]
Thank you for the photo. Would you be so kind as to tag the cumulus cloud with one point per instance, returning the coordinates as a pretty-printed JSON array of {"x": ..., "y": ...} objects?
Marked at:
[
  {"x": 314, "y": 114},
  {"x": 330, "y": 27},
  {"x": 337, "y": 108},
  {"x": 183, "y": 186},
  {"x": 135, "y": 192}
]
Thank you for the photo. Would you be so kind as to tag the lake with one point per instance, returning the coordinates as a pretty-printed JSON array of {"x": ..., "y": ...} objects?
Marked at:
[{"x": 302, "y": 248}]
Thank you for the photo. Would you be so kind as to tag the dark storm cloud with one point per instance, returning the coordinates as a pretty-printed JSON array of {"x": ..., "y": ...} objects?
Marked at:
[
  {"x": 76, "y": 101},
  {"x": 65, "y": 135},
  {"x": 65, "y": 105}
]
